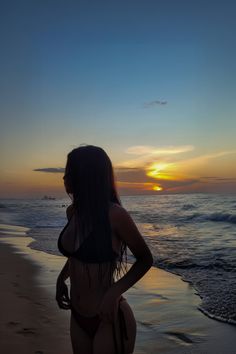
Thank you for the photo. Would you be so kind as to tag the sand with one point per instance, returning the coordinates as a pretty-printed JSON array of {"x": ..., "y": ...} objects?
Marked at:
[{"x": 165, "y": 308}]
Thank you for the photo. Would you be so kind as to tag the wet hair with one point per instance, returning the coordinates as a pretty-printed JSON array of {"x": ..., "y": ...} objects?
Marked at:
[{"x": 89, "y": 178}]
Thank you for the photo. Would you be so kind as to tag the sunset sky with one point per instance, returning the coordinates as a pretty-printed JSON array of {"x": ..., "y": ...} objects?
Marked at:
[{"x": 151, "y": 82}]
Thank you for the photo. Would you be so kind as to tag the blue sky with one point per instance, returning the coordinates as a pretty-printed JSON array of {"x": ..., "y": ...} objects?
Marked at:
[{"x": 96, "y": 71}]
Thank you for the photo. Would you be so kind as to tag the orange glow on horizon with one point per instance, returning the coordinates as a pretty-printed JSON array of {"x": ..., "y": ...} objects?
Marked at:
[
  {"x": 157, "y": 188},
  {"x": 141, "y": 186},
  {"x": 135, "y": 185}
]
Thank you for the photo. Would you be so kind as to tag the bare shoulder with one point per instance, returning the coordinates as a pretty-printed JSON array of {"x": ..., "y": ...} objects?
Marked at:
[
  {"x": 127, "y": 231},
  {"x": 118, "y": 214},
  {"x": 117, "y": 209},
  {"x": 122, "y": 221}
]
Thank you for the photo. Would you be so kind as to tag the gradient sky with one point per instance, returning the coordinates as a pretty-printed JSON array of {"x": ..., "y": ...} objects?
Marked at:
[{"x": 152, "y": 82}]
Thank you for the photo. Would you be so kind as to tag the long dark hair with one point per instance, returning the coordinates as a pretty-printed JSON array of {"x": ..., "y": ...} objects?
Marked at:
[{"x": 89, "y": 177}]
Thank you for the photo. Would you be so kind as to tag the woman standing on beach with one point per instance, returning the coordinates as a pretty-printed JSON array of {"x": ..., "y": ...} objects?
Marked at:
[{"x": 95, "y": 240}]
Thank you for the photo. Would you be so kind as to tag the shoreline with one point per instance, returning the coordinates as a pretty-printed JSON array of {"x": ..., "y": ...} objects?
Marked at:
[
  {"x": 165, "y": 307},
  {"x": 200, "y": 308},
  {"x": 30, "y": 322}
]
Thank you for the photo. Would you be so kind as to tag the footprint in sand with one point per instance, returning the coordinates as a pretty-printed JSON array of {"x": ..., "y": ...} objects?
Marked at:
[
  {"x": 38, "y": 352},
  {"x": 23, "y": 296},
  {"x": 16, "y": 285},
  {"x": 180, "y": 336},
  {"x": 37, "y": 303},
  {"x": 147, "y": 324},
  {"x": 46, "y": 320},
  {"x": 13, "y": 323},
  {"x": 27, "y": 331}
]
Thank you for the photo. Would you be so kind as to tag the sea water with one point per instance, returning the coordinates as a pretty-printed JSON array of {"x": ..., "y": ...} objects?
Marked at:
[{"x": 193, "y": 235}]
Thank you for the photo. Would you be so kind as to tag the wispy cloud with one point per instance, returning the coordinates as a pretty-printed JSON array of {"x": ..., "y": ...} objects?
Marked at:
[
  {"x": 212, "y": 179},
  {"x": 50, "y": 169},
  {"x": 154, "y": 103},
  {"x": 147, "y": 154},
  {"x": 167, "y": 150},
  {"x": 195, "y": 164}
]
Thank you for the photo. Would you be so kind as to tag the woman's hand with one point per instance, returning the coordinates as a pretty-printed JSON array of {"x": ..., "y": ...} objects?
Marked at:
[
  {"x": 109, "y": 307},
  {"x": 62, "y": 296}
]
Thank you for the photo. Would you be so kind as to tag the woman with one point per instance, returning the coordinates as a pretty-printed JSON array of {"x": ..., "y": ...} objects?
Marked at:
[{"x": 94, "y": 240}]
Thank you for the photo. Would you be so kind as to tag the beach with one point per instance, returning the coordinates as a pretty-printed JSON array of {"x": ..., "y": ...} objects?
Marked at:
[
  {"x": 165, "y": 307},
  {"x": 30, "y": 321}
]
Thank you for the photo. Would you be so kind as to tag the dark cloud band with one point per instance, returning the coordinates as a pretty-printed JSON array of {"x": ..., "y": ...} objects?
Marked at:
[{"x": 50, "y": 169}]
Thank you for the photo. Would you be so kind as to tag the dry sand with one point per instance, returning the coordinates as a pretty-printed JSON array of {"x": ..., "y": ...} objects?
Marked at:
[{"x": 165, "y": 308}]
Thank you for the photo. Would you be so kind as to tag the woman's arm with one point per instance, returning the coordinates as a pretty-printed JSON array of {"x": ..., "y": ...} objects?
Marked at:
[
  {"x": 127, "y": 231},
  {"x": 62, "y": 294},
  {"x": 64, "y": 274}
]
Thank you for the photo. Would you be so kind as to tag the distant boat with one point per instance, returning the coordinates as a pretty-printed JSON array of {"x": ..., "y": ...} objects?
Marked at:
[{"x": 48, "y": 197}]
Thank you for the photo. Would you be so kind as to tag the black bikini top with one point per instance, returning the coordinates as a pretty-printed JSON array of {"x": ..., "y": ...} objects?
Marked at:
[{"x": 95, "y": 248}]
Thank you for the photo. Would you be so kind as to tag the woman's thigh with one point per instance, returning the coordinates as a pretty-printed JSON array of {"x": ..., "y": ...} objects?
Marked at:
[
  {"x": 80, "y": 340},
  {"x": 110, "y": 339},
  {"x": 130, "y": 327},
  {"x": 103, "y": 342}
]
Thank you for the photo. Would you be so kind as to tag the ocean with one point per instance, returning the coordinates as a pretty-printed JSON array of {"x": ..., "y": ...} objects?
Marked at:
[{"x": 192, "y": 235}]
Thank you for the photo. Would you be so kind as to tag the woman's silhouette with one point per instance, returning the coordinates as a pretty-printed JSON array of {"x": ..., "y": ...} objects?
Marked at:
[{"x": 94, "y": 240}]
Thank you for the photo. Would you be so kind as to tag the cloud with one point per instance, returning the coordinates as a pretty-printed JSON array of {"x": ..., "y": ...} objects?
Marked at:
[
  {"x": 167, "y": 186},
  {"x": 130, "y": 175},
  {"x": 213, "y": 179},
  {"x": 138, "y": 179},
  {"x": 50, "y": 169},
  {"x": 194, "y": 164},
  {"x": 168, "y": 167},
  {"x": 168, "y": 150},
  {"x": 154, "y": 103},
  {"x": 205, "y": 158},
  {"x": 147, "y": 154}
]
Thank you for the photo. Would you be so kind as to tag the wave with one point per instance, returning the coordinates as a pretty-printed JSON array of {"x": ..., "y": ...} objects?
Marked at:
[
  {"x": 217, "y": 217},
  {"x": 188, "y": 207},
  {"x": 215, "y": 264},
  {"x": 47, "y": 226},
  {"x": 215, "y": 287},
  {"x": 216, "y": 317}
]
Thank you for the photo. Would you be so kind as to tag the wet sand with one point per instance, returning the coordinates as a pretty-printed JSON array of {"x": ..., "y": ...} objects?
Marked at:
[
  {"x": 165, "y": 308},
  {"x": 29, "y": 322}
]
